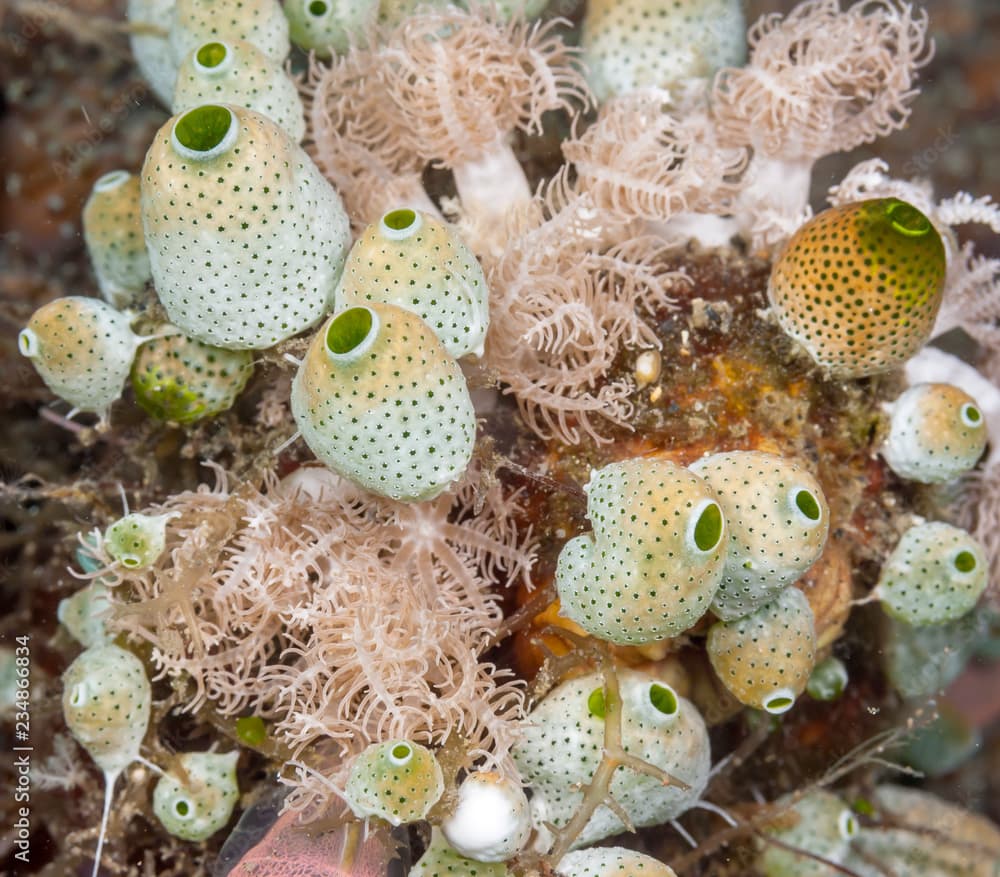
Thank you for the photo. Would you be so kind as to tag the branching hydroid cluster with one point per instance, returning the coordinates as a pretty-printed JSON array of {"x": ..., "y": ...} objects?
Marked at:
[{"x": 338, "y": 617}]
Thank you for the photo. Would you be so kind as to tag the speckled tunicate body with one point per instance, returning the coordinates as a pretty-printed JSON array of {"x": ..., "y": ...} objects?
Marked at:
[
  {"x": 83, "y": 349},
  {"x": 329, "y": 27},
  {"x": 441, "y": 860},
  {"x": 260, "y": 22},
  {"x": 181, "y": 380},
  {"x": 85, "y": 612},
  {"x": 777, "y": 518},
  {"x": 611, "y": 862},
  {"x": 106, "y": 702},
  {"x": 824, "y": 826},
  {"x": 395, "y": 12},
  {"x": 937, "y": 432},
  {"x": 634, "y": 44},
  {"x": 655, "y": 558},
  {"x": 412, "y": 260},
  {"x": 924, "y": 835},
  {"x": 237, "y": 72},
  {"x": 765, "y": 659},
  {"x": 398, "y": 781},
  {"x": 379, "y": 400},
  {"x": 151, "y": 20},
  {"x": 562, "y": 745},
  {"x": 935, "y": 574},
  {"x": 112, "y": 230},
  {"x": 246, "y": 238},
  {"x": 859, "y": 286},
  {"x": 197, "y": 800},
  {"x": 137, "y": 540},
  {"x": 920, "y": 661}
]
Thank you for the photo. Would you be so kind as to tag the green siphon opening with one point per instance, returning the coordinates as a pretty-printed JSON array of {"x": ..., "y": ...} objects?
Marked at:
[
  {"x": 211, "y": 54},
  {"x": 708, "y": 529},
  {"x": 203, "y": 128},
  {"x": 348, "y": 330},
  {"x": 965, "y": 561},
  {"x": 400, "y": 220},
  {"x": 251, "y": 730},
  {"x": 807, "y": 504},
  {"x": 317, "y": 8},
  {"x": 182, "y": 808},
  {"x": 663, "y": 698},
  {"x": 972, "y": 413},
  {"x": 847, "y": 824},
  {"x": 907, "y": 220},
  {"x": 402, "y": 751},
  {"x": 595, "y": 703},
  {"x": 779, "y": 704}
]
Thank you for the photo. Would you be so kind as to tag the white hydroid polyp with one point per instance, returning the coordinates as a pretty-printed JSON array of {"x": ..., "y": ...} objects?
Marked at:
[
  {"x": 246, "y": 238},
  {"x": 491, "y": 820}
]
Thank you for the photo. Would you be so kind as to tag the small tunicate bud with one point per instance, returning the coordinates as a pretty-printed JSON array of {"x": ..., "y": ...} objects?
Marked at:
[
  {"x": 937, "y": 433},
  {"x": 491, "y": 820},
  {"x": 654, "y": 561},
  {"x": 247, "y": 252},
  {"x": 398, "y": 781},
  {"x": 859, "y": 286},
  {"x": 828, "y": 679},
  {"x": 84, "y": 614},
  {"x": 766, "y": 659},
  {"x": 137, "y": 541},
  {"x": 823, "y": 826},
  {"x": 329, "y": 27},
  {"x": 106, "y": 704},
  {"x": 112, "y": 230},
  {"x": 441, "y": 860},
  {"x": 181, "y": 380},
  {"x": 259, "y": 22},
  {"x": 197, "y": 800},
  {"x": 237, "y": 72},
  {"x": 251, "y": 730},
  {"x": 936, "y": 573},
  {"x": 633, "y": 44},
  {"x": 379, "y": 400},
  {"x": 83, "y": 349},
  {"x": 778, "y": 521},
  {"x": 413, "y": 261},
  {"x": 563, "y": 741},
  {"x": 611, "y": 862}
]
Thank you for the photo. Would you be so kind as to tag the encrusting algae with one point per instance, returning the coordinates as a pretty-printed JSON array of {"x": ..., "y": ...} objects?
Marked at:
[{"x": 515, "y": 452}]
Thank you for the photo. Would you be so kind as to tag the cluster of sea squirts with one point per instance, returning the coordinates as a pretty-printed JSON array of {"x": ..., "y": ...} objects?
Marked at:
[{"x": 380, "y": 398}]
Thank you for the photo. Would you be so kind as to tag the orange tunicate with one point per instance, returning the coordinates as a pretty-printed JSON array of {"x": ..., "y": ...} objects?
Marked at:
[{"x": 859, "y": 286}]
